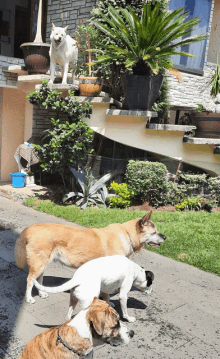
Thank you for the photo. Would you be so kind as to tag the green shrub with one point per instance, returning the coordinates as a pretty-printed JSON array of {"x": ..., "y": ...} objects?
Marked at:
[
  {"x": 196, "y": 204},
  {"x": 148, "y": 180},
  {"x": 214, "y": 188},
  {"x": 123, "y": 195},
  {"x": 175, "y": 193}
]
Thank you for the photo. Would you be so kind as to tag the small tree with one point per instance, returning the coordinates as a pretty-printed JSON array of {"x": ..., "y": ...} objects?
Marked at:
[{"x": 68, "y": 142}]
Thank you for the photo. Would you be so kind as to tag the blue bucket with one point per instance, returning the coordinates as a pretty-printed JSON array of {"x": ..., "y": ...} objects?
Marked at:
[{"x": 17, "y": 179}]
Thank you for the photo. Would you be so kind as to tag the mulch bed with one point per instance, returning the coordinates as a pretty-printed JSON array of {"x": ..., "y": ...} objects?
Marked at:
[{"x": 55, "y": 194}]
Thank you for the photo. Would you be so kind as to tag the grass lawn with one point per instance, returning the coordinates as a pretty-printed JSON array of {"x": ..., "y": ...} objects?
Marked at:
[{"x": 192, "y": 237}]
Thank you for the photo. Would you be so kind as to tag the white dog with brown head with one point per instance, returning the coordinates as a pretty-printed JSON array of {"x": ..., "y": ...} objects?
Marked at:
[
  {"x": 74, "y": 339},
  {"x": 63, "y": 51}
]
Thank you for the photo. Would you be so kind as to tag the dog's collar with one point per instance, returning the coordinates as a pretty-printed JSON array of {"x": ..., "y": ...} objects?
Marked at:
[{"x": 87, "y": 355}]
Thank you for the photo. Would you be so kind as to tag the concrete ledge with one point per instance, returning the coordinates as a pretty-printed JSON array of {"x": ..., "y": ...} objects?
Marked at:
[
  {"x": 131, "y": 113},
  {"x": 167, "y": 127},
  {"x": 33, "y": 78},
  {"x": 59, "y": 87},
  {"x": 99, "y": 99},
  {"x": 16, "y": 69},
  {"x": 201, "y": 141}
]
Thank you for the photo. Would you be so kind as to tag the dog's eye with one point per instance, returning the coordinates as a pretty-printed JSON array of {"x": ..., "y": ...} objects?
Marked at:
[{"x": 117, "y": 325}]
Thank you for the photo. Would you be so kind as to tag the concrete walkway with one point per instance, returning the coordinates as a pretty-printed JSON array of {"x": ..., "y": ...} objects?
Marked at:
[{"x": 181, "y": 318}]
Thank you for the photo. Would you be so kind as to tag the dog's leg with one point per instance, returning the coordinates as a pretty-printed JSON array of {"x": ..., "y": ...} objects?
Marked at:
[
  {"x": 52, "y": 72},
  {"x": 106, "y": 297},
  {"x": 42, "y": 294},
  {"x": 73, "y": 303},
  {"x": 123, "y": 302},
  {"x": 34, "y": 273},
  {"x": 65, "y": 72}
]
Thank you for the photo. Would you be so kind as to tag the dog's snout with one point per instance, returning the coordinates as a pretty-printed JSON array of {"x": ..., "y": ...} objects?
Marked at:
[
  {"x": 131, "y": 333},
  {"x": 164, "y": 237}
]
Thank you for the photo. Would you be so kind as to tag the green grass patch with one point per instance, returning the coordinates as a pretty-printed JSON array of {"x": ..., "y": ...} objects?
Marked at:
[{"x": 192, "y": 237}]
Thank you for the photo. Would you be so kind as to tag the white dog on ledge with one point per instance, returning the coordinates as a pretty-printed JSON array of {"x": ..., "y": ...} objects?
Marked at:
[{"x": 63, "y": 51}]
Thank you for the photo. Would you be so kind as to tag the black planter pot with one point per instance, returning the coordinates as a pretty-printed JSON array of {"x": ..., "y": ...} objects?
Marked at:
[{"x": 141, "y": 91}]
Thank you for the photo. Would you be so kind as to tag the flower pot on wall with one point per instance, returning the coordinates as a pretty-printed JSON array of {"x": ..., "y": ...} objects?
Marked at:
[
  {"x": 207, "y": 124},
  {"x": 141, "y": 91},
  {"x": 90, "y": 86},
  {"x": 36, "y": 53},
  {"x": 36, "y": 57}
]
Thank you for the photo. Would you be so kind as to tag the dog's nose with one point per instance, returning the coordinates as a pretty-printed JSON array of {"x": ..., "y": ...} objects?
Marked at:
[
  {"x": 164, "y": 237},
  {"x": 131, "y": 333}
]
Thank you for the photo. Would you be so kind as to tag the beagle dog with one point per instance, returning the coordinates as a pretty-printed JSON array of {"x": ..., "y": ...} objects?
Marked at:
[
  {"x": 74, "y": 339},
  {"x": 105, "y": 275}
]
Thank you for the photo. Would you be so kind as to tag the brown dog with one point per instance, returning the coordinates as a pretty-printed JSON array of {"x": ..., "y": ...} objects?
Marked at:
[
  {"x": 39, "y": 244},
  {"x": 74, "y": 339}
]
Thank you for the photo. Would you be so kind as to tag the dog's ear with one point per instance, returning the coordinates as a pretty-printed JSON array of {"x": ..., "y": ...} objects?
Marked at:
[
  {"x": 102, "y": 317},
  {"x": 149, "y": 277},
  {"x": 145, "y": 219},
  {"x": 65, "y": 28},
  {"x": 53, "y": 26}
]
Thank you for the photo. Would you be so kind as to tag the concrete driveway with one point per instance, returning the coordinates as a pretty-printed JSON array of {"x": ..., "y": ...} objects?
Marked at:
[{"x": 180, "y": 319}]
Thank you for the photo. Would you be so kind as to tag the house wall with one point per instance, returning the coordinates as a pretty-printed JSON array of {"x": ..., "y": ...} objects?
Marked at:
[
  {"x": 12, "y": 122},
  {"x": 193, "y": 89},
  {"x": 214, "y": 43},
  {"x": 71, "y": 12},
  {"x": 6, "y": 78}
]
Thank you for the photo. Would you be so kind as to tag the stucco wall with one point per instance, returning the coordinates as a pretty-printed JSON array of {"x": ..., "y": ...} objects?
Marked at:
[
  {"x": 12, "y": 128},
  {"x": 214, "y": 43}
]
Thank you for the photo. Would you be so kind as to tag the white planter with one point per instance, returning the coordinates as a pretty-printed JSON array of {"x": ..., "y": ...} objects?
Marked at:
[{"x": 29, "y": 181}]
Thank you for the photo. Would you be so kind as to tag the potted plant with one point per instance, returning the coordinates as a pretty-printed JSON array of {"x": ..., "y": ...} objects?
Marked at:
[
  {"x": 144, "y": 44},
  {"x": 29, "y": 179},
  {"x": 206, "y": 117},
  {"x": 36, "y": 53},
  {"x": 89, "y": 84}
]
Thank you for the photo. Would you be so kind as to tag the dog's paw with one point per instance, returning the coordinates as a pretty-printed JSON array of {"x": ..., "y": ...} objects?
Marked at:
[
  {"x": 43, "y": 294},
  {"x": 30, "y": 300},
  {"x": 130, "y": 319}
]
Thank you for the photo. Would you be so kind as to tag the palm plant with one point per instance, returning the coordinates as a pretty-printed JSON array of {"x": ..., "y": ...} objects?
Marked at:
[
  {"x": 215, "y": 81},
  {"x": 146, "y": 43},
  {"x": 93, "y": 192}
]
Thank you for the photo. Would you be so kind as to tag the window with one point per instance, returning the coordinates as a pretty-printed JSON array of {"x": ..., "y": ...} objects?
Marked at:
[{"x": 201, "y": 8}]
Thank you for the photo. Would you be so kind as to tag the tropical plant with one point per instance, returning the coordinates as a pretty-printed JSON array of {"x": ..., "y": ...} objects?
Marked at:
[
  {"x": 69, "y": 140},
  {"x": 215, "y": 81},
  {"x": 94, "y": 192},
  {"x": 146, "y": 43}
]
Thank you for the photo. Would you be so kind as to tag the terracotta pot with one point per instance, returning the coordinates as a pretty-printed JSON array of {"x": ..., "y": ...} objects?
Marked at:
[
  {"x": 90, "y": 86},
  {"x": 36, "y": 57},
  {"x": 207, "y": 123}
]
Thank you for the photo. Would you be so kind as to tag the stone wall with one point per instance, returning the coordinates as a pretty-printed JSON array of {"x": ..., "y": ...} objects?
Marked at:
[
  {"x": 7, "y": 78},
  {"x": 67, "y": 12},
  {"x": 192, "y": 90},
  {"x": 41, "y": 119}
]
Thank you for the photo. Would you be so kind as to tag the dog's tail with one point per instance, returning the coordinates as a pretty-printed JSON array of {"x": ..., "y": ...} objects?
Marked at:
[
  {"x": 61, "y": 288},
  {"x": 20, "y": 250}
]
